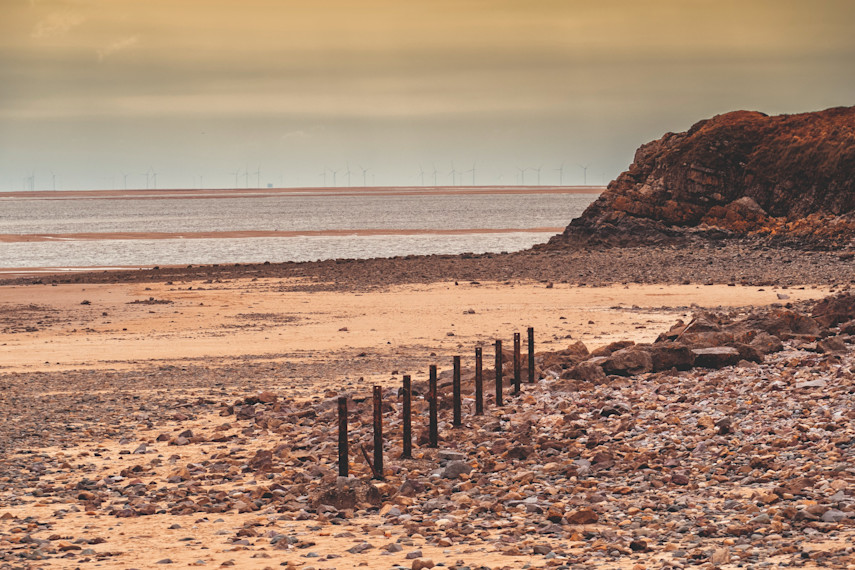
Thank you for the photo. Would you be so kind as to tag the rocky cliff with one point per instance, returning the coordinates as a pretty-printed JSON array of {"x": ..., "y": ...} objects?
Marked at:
[{"x": 787, "y": 179}]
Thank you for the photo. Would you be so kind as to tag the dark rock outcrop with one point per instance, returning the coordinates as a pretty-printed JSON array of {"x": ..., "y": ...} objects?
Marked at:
[{"x": 786, "y": 178}]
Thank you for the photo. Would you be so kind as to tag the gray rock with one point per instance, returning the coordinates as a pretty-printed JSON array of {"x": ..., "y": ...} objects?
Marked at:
[
  {"x": 455, "y": 469},
  {"x": 716, "y": 356},
  {"x": 834, "y": 516},
  {"x": 448, "y": 455}
]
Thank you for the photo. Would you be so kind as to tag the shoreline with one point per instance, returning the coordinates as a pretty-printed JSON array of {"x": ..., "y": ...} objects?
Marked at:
[
  {"x": 237, "y": 234},
  {"x": 214, "y": 193}
]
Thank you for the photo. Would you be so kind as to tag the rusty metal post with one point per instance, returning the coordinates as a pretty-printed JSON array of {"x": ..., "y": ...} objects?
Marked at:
[
  {"x": 531, "y": 355},
  {"x": 342, "y": 437},
  {"x": 458, "y": 419},
  {"x": 378, "y": 433},
  {"x": 433, "y": 430},
  {"x": 479, "y": 383},
  {"x": 517, "y": 363},
  {"x": 408, "y": 429},
  {"x": 498, "y": 373}
]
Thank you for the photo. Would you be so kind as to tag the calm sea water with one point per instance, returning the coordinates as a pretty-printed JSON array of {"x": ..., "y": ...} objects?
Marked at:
[{"x": 276, "y": 213}]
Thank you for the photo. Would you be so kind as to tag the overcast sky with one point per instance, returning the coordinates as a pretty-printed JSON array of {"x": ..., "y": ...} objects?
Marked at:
[{"x": 95, "y": 93}]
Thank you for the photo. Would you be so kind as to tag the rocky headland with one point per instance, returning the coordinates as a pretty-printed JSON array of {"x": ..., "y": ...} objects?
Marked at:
[{"x": 784, "y": 180}]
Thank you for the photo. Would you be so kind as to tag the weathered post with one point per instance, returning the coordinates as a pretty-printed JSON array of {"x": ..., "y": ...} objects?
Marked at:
[
  {"x": 433, "y": 430},
  {"x": 378, "y": 434},
  {"x": 479, "y": 383},
  {"x": 458, "y": 420},
  {"x": 499, "y": 373},
  {"x": 517, "y": 363},
  {"x": 342, "y": 437},
  {"x": 530, "y": 355},
  {"x": 408, "y": 426}
]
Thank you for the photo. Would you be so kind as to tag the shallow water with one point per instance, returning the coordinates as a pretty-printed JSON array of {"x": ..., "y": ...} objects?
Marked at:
[{"x": 284, "y": 213}]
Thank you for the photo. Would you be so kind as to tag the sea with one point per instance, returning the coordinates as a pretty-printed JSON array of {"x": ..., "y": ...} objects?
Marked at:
[{"x": 142, "y": 229}]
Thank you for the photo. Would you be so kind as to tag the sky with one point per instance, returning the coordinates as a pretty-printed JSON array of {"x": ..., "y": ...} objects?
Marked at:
[{"x": 104, "y": 94}]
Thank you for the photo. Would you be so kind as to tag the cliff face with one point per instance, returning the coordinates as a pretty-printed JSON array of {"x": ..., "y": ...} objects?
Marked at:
[{"x": 788, "y": 178}]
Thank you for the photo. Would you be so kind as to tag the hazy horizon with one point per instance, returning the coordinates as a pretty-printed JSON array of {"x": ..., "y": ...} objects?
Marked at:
[{"x": 99, "y": 94}]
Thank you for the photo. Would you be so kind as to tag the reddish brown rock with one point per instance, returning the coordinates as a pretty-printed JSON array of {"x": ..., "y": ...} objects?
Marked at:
[
  {"x": 582, "y": 516},
  {"x": 788, "y": 178}
]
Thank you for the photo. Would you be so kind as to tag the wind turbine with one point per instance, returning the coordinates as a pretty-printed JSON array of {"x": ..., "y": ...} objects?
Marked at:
[
  {"x": 147, "y": 179},
  {"x": 435, "y": 171},
  {"x": 522, "y": 175},
  {"x": 584, "y": 174},
  {"x": 422, "y": 175},
  {"x": 125, "y": 178},
  {"x": 154, "y": 176},
  {"x": 472, "y": 170},
  {"x": 258, "y": 177},
  {"x": 453, "y": 175},
  {"x": 246, "y": 176},
  {"x": 53, "y": 176},
  {"x": 560, "y": 175},
  {"x": 334, "y": 173},
  {"x": 236, "y": 173},
  {"x": 538, "y": 173},
  {"x": 364, "y": 176},
  {"x": 324, "y": 175},
  {"x": 347, "y": 173}
]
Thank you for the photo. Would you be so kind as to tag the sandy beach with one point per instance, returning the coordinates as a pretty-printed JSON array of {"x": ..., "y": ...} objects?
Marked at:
[{"x": 101, "y": 379}]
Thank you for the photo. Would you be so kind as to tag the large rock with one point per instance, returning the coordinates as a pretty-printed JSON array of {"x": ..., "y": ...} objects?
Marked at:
[
  {"x": 628, "y": 362},
  {"x": 789, "y": 178},
  {"x": 668, "y": 355},
  {"x": 347, "y": 493},
  {"x": 716, "y": 356},
  {"x": 832, "y": 311}
]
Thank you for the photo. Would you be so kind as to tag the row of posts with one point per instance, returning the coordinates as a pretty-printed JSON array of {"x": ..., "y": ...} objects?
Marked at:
[{"x": 433, "y": 403}]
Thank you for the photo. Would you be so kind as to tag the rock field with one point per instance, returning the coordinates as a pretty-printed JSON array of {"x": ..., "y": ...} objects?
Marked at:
[{"x": 737, "y": 453}]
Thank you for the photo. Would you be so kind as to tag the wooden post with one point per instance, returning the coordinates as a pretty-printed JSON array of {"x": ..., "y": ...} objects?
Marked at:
[
  {"x": 531, "y": 355},
  {"x": 479, "y": 383},
  {"x": 517, "y": 363},
  {"x": 499, "y": 373},
  {"x": 433, "y": 430},
  {"x": 408, "y": 429},
  {"x": 378, "y": 433},
  {"x": 342, "y": 437},
  {"x": 458, "y": 419}
]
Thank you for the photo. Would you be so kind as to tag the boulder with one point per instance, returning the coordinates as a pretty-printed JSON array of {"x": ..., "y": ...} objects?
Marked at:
[
  {"x": 766, "y": 343},
  {"x": 587, "y": 371},
  {"x": 834, "y": 310},
  {"x": 668, "y": 355},
  {"x": 610, "y": 348},
  {"x": 347, "y": 493},
  {"x": 716, "y": 356},
  {"x": 628, "y": 362}
]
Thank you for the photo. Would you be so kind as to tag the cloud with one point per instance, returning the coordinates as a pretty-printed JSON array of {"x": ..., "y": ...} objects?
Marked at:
[
  {"x": 56, "y": 24},
  {"x": 117, "y": 46}
]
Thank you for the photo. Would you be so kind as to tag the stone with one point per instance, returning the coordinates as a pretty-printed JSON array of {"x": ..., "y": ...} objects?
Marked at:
[
  {"x": 420, "y": 563},
  {"x": 628, "y": 362},
  {"x": 455, "y": 469},
  {"x": 716, "y": 357},
  {"x": 668, "y": 355},
  {"x": 582, "y": 516},
  {"x": 720, "y": 556},
  {"x": 832, "y": 345},
  {"x": 586, "y": 372},
  {"x": 834, "y": 516},
  {"x": 766, "y": 343}
]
